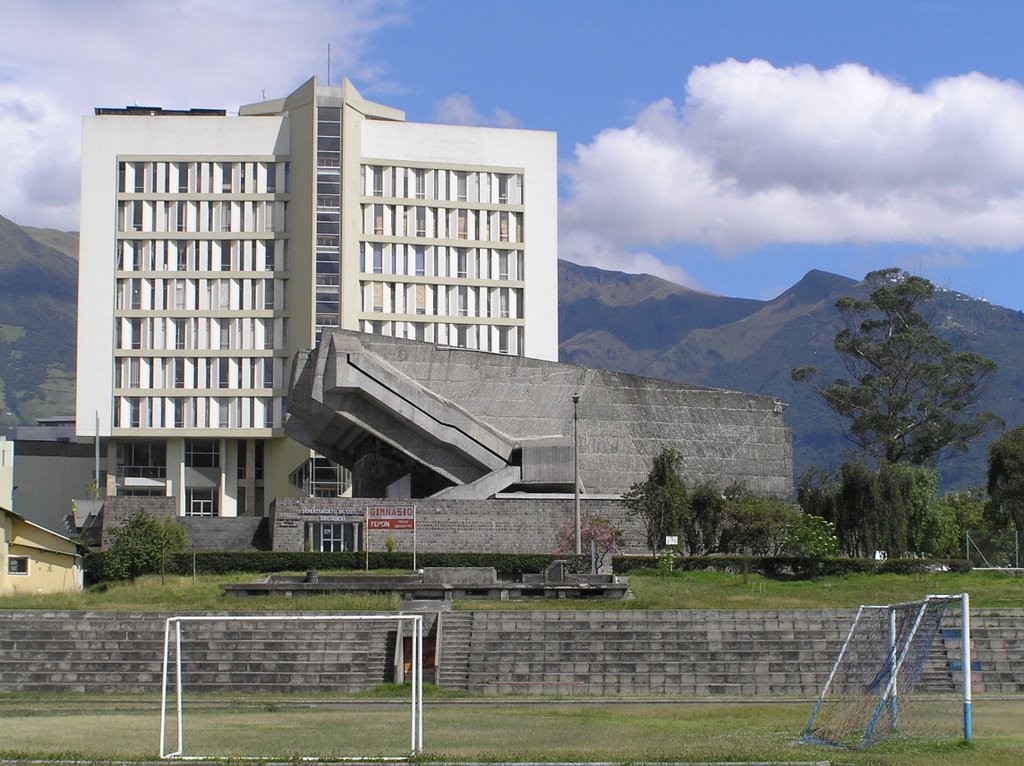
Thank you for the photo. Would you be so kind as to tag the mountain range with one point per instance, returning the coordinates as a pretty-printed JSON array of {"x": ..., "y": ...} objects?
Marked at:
[
  {"x": 647, "y": 326},
  {"x": 631, "y": 323}
]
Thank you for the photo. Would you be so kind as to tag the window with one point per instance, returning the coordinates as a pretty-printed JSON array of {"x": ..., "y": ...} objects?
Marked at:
[
  {"x": 421, "y": 183},
  {"x": 202, "y": 453},
  {"x": 135, "y": 331},
  {"x": 420, "y": 258},
  {"x": 461, "y": 186},
  {"x": 377, "y": 181},
  {"x": 378, "y": 219},
  {"x": 134, "y": 415},
  {"x": 421, "y": 222},
  {"x": 179, "y": 333},
  {"x": 17, "y": 565},
  {"x": 332, "y": 537},
  {"x": 503, "y": 190},
  {"x": 378, "y": 259}
]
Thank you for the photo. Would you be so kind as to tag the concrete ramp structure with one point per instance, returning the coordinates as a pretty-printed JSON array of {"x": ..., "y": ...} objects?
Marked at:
[{"x": 418, "y": 420}]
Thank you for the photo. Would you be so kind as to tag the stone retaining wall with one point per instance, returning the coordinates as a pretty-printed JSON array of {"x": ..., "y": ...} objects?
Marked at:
[
  {"x": 687, "y": 654},
  {"x": 507, "y": 525}
]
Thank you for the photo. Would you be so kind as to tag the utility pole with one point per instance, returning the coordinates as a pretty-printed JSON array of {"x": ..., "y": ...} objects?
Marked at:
[{"x": 576, "y": 469}]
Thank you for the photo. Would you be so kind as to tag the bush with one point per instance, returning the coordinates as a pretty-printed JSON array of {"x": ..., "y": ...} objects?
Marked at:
[
  {"x": 507, "y": 565},
  {"x": 142, "y": 544},
  {"x": 799, "y": 567}
]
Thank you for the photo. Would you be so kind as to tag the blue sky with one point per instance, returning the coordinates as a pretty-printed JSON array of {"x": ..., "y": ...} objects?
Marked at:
[{"x": 730, "y": 146}]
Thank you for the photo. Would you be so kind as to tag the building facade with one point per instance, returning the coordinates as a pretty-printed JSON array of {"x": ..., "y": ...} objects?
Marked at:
[
  {"x": 214, "y": 247},
  {"x": 32, "y": 559}
]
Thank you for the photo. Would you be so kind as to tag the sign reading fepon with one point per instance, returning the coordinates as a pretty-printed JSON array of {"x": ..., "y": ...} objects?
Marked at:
[{"x": 391, "y": 516}]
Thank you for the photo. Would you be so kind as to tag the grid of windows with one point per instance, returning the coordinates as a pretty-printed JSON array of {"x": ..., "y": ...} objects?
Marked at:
[
  {"x": 200, "y": 294},
  {"x": 445, "y": 243}
]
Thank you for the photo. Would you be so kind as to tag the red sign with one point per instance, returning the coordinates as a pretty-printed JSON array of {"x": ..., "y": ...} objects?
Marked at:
[
  {"x": 391, "y": 517},
  {"x": 391, "y": 523}
]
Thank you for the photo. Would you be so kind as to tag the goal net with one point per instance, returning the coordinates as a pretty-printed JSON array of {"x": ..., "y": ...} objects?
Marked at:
[
  {"x": 251, "y": 687},
  {"x": 903, "y": 671}
]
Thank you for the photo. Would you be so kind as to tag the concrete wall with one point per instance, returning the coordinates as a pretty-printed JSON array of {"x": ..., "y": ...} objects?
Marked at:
[{"x": 49, "y": 476}]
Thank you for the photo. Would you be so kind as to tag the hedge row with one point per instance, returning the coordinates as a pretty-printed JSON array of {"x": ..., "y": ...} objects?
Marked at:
[
  {"x": 509, "y": 566},
  {"x": 790, "y": 566}
]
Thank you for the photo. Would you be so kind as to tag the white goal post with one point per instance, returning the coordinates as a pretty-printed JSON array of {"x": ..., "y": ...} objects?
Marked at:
[
  {"x": 904, "y": 670},
  {"x": 176, "y": 636}
]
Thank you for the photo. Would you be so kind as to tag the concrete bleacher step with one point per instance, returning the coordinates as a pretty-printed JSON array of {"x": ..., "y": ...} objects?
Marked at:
[{"x": 676, "y": 653}]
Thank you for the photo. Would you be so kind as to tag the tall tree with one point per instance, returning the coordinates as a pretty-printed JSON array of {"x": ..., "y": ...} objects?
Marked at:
[
  {"x": 660, "y": 500},
  {"x": 1006, "y": 476},
  {"x": 909, "y": 396}
]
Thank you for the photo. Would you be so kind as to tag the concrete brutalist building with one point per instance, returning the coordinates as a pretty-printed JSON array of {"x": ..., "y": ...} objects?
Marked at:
[{"x": 483, "y": 444}]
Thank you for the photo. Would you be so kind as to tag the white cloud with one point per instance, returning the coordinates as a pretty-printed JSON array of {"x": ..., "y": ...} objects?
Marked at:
[
  {"x": 759, "y": 155},
  {"x": 581, "y": 247},
  {"x": 458, "y": 109},
  {"x": 193, "y": 53}
]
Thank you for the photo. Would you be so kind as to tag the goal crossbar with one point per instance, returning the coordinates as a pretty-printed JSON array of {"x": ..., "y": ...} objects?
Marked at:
[{"x": 173, "y": 640}]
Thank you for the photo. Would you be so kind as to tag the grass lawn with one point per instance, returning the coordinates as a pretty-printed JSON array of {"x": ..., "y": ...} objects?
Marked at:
[
  {"x": 125, "y": 728},
  {"x": 680, "y": 590},
  {"x": 478, "y": 730}
]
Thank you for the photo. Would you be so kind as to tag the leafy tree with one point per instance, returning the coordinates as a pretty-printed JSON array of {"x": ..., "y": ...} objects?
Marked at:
[
  {"x": 606, "y": 537},
  {"x": 909, "y": 395},
  {"x": 1006, "y": 477},
  {"x": 810, "y": 536},
  {"x": 756, "y": 524},
  {"x": 141, "y": 544},
  {"x": 660, "y": 500},
  {"x": 702, "y": 525},
  {"x": 968, "y": 514},
  {"x": 858, "y": 526}
]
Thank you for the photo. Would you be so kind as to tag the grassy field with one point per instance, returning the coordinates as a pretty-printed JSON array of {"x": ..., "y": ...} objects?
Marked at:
[
  {"x": 126, "y": 728},
  {"x": 478, "y": 730},
  {"x": 680, "y": 590}
]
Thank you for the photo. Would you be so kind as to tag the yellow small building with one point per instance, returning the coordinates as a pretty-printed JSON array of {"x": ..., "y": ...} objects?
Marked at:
[
  {"x": 32, "y": 558},
  {"x": 36, "y": 560}
]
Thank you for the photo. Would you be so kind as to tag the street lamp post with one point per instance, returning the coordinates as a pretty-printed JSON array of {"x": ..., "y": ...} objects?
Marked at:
[{"x": 576, "y": 470}]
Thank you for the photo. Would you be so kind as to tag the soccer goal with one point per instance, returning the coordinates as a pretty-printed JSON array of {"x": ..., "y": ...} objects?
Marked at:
[
  {"x": 903, "y": 671},
  {"x": 307, "y": 662}
]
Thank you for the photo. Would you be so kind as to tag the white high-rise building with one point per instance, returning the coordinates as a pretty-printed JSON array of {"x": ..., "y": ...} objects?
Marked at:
[{"x": 213, "y": 247}]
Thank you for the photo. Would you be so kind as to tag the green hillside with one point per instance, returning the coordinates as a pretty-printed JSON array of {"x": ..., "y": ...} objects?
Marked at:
[{"x": 38, "y": 292}]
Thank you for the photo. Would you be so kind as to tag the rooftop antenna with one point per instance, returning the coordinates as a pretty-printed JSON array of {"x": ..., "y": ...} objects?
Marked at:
[{"x": 328, "y": 65}]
